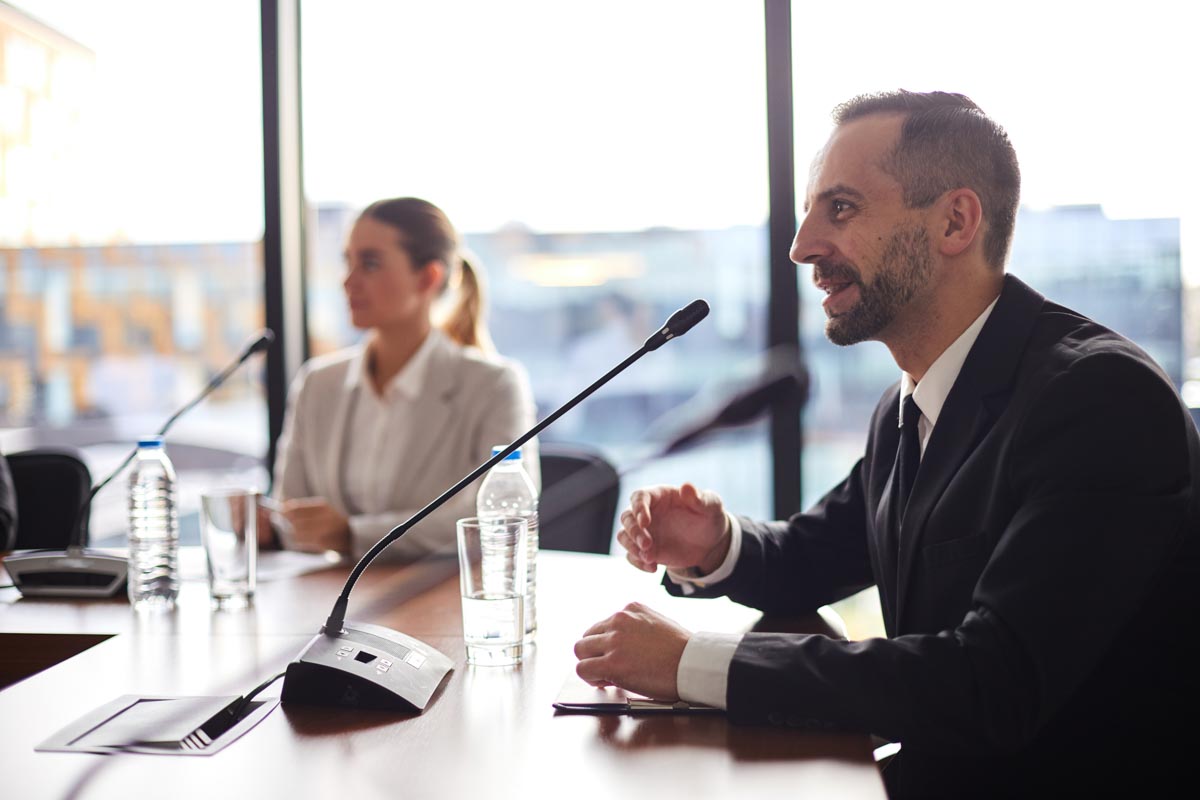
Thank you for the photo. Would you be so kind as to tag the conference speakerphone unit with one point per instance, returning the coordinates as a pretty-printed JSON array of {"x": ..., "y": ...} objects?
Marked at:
[{"x": 366, "y": 666}]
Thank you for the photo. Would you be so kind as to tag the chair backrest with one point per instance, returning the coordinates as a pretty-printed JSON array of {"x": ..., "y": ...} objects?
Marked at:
[
  {"x": 50, "y": 487},
  {"x": 577, "y": 509}
]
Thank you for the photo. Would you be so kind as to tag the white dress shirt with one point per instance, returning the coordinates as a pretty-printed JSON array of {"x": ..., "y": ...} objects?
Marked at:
[
  {"x": 381, "y": 424},
  {"x": 703, "y": 675}
]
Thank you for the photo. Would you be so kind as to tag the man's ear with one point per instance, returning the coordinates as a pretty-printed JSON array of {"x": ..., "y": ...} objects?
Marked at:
[{"x": 959, "y": 220}]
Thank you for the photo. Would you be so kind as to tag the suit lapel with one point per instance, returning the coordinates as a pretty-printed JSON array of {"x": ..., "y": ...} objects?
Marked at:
[
  {"x": 434, "y": 410},
  {"x": 335, "y": 463},
  {"x": 971, "y": 408}
]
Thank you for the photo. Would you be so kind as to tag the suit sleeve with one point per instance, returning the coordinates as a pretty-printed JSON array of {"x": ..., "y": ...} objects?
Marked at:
[
  {"x": 506, "y": 415},
  {"x": 1100, "y": 476},
  {"x": 8, "y": 507}
]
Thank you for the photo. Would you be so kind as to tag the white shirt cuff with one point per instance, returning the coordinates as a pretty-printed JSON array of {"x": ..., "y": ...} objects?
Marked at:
[
  {"x": 687, "y": 581},
  {"x": 703, "y": 675}
]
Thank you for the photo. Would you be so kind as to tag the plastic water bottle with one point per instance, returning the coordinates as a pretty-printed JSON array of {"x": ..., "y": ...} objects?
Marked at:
[
  {"x": 153, "y": 528},
  {"x": 508, "y": 491}
]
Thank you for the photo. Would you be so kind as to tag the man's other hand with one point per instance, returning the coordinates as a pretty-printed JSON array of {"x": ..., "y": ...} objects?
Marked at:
[{"x": 678, "y": 528}]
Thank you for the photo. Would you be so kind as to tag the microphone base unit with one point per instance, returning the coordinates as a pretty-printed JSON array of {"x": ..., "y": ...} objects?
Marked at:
[
  {"x": 74, "y": 572},
  {"x": 366, "y": 666}
]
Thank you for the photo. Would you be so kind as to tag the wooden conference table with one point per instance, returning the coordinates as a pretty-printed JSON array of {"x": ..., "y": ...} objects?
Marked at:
[{"x": 489, "y": 731}]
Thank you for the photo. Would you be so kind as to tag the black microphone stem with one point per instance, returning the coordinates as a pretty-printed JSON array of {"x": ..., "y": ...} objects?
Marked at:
[
  {"x": 333, "y": 625},
  {"x": 212, "y": 385},
  {"x": 220, "y": 378}
]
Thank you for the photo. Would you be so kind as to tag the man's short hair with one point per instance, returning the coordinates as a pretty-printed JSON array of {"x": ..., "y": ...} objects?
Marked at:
[{"x": 947, "y": 143}]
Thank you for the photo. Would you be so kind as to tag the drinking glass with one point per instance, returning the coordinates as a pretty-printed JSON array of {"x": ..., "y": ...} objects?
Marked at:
[
  {"x": 491, "y": 560},
  {"x": 229, "y": 531}
]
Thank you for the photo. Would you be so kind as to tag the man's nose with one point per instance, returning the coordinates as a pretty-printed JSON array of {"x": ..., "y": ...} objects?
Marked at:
[{"x": 809, "y": 246}]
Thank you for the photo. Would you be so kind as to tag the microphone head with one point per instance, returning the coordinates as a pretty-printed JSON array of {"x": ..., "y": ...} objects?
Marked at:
[
  {"x": 265, "y": 338},
  {"x": 678, "y": 324}
]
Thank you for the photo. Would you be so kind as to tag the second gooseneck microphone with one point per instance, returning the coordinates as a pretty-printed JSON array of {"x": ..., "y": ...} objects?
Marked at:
[{"x": 78, "y": 572}]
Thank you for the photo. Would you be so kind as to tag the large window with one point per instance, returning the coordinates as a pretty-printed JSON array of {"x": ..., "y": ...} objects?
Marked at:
[
  {"x": 130, "y": 222},
  {"x": 608, "y": 165},
  {"x": 1098, "y": 100}
]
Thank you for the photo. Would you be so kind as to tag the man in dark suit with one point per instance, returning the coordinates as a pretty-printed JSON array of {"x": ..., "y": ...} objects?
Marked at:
[{"x": 1027, "y": 505}]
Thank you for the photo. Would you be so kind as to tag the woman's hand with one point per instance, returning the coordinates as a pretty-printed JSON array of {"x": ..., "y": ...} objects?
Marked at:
[{"x": 316, "y": 526}]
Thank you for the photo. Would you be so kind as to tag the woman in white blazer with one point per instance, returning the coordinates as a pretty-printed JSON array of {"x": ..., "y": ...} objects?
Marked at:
[{"x": 375, "y": 432}]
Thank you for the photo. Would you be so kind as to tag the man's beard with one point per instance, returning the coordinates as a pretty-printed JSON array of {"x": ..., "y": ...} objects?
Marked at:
[{"x": 904, "y": 268}]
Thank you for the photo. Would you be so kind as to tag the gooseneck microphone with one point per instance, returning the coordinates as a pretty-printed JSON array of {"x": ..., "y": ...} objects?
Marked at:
[
  {"x": 369, "y": 666},
  {"x": 679, "y": 323},
  {"x": 77, "y": 572}
]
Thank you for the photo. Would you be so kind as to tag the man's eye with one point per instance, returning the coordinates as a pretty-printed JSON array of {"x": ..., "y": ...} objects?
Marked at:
[{"x": 839, "y": 206}]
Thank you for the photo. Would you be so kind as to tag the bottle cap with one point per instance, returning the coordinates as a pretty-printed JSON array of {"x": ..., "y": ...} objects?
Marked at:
[
  {"x": 150, "y": 441},
  {"x": 515, "y": 455}
]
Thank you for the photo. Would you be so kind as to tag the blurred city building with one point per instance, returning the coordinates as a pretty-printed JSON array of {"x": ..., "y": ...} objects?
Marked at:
[{"x": 44, "y": 81}]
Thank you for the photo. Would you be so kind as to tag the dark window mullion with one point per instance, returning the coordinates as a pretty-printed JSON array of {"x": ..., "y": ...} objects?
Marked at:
[
  {"x": 284, "y": 257},
  {"x": 783, "y": 301}
]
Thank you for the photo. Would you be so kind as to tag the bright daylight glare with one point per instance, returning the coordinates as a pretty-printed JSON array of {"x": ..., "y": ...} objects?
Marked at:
[{"x": 582, "y": 102}]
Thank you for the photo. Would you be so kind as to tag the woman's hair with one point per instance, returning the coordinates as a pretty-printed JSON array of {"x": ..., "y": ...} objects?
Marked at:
[{"x": 427, "y": 235}]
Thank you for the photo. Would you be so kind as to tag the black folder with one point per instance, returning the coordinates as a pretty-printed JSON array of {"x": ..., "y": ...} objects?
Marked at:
[{"x": 579, "y": 697}]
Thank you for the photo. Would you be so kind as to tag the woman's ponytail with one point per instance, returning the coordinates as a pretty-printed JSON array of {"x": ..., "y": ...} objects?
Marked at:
[{"x": 464, "y": 322}]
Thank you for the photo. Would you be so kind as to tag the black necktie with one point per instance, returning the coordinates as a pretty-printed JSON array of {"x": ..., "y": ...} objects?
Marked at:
[{"x": 908, "y": 458}]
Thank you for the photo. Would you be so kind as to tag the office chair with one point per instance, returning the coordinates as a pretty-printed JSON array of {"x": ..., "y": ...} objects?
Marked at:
[
  {"x": 50, "y": 487},
  {"x": 581, "y": 515}
]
